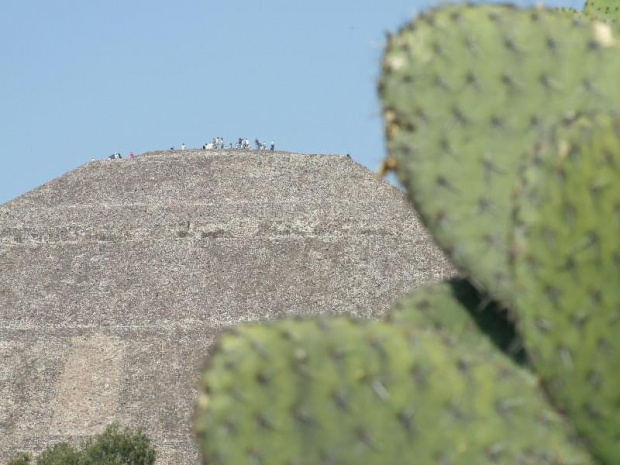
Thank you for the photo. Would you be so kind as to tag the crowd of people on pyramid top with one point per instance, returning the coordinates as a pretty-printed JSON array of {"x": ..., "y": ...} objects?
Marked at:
[
  {"x": 242, "y": 143},
  {"x": 216, "y": 143}
]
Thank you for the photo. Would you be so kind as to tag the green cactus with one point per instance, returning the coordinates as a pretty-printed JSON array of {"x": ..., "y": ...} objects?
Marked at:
[
  {"x": 567, "y": 268},
  {"x": 458, "y": 309},
  {"x": 467, "y": 91},
  {"x": 346, "y": 392},
  {"x": 607, "y": 10},
  {"x": 481, "y": 102}
]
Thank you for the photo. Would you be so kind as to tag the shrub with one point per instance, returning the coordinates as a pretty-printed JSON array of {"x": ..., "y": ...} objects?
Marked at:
[{"x": 115, "y": 446}]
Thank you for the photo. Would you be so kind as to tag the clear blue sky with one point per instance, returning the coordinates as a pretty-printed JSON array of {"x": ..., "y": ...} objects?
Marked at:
[{"x": 86, "y": 78}]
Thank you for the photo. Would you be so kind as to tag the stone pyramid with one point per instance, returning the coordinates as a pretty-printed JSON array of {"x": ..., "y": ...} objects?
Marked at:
[{"x": 116, "y": 278}]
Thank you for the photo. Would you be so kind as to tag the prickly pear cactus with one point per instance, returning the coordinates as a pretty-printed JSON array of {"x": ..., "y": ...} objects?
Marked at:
[
  {"x": 347, "y": 393},
  {"x": 608, "y": 10},
  {"x": 460, "y": 311},
  {"x": 467, "y": 91},
  {"x": 567, "y": 268}
]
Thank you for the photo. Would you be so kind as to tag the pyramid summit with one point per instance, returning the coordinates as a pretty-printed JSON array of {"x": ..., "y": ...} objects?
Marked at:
[{"x": 117, "y": 277}]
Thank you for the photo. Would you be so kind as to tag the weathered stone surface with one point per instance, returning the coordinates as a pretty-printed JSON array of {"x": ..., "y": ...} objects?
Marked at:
[{"x": 116, "y": 278}]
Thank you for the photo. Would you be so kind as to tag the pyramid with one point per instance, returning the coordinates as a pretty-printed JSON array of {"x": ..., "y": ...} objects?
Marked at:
[{"x": 116, "y": 278}]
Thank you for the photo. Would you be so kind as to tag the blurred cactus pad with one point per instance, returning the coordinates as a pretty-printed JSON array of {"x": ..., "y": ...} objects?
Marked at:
[
  {"x": 501, "y": 123},
  {"x": 607, "y": 10},
  {"x": 567, "y": 264},
  {"x": 466, "y": 315},
  {"x": 345, "y": 392},
  {"x": 467, "y": 91}
]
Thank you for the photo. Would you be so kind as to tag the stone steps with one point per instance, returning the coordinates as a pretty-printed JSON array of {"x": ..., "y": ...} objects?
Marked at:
[
  {"x": 214, "y": 280},
  {"x": 247, "y": 219}
]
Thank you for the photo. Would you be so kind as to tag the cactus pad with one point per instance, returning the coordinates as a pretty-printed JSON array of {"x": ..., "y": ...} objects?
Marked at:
[
  {"x": 607, "y": 10},
  {"x": 344, "y": 392},
  {"x": 567, "y": 268},
  {"x": 467, "y": 91},
  {"x": 459, "y": 310}
]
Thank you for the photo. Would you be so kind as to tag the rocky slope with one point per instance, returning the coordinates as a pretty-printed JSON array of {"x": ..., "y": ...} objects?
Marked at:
[{"x": 116, "y": 278}]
